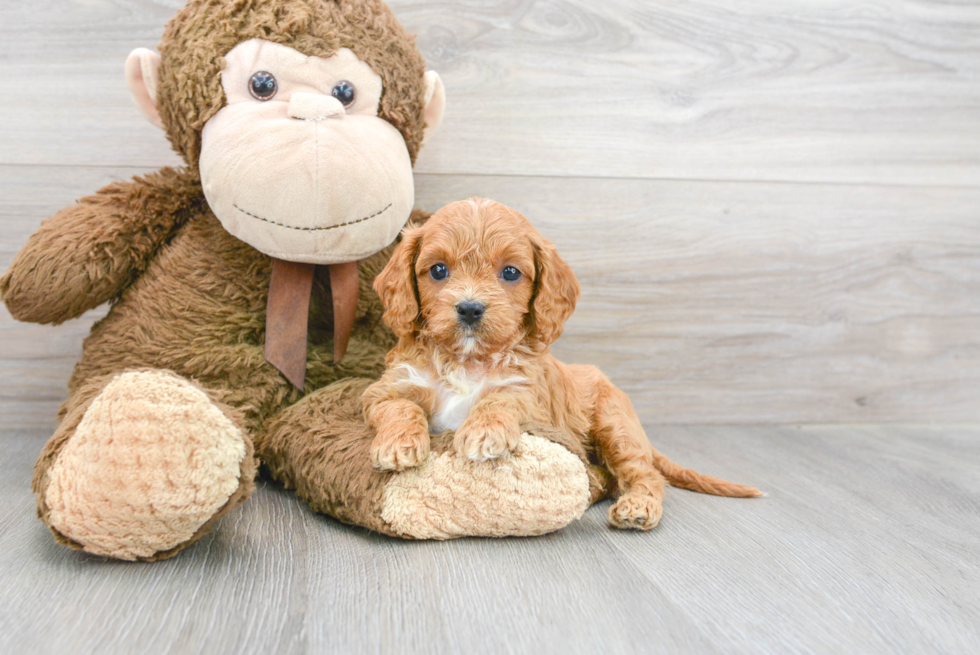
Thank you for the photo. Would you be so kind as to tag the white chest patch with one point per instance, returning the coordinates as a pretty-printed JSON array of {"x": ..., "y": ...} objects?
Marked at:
[{"x": 457, "y": 392}]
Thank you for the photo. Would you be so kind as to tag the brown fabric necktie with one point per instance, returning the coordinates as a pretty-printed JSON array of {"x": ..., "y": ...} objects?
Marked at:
[{"x": 288, "y": 313}]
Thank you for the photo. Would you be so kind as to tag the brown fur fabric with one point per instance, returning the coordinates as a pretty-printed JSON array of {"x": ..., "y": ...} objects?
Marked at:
[
  {"x": 197, "y": 309},
  {"x": 200, "y": 35},
  {"x": 189, "y": 300},
  {"x": 74, "y": 263},
  {"x": 326, "y": 466}
]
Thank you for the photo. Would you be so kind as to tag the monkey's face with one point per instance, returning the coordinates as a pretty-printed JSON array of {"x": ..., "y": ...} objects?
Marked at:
[
  {"x": 297, "y": 163},
  {"x": 302, "y": 157}
]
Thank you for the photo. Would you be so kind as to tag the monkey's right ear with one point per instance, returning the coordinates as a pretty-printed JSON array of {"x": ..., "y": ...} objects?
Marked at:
[
  {"x": 142, "y": 75},
  {"x": 435, "y": 103}
]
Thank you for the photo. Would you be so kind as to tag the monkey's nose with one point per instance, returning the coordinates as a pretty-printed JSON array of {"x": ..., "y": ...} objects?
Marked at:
[
  {"x": 470, "y": 312},
  {"x": 314, "y": 106}
]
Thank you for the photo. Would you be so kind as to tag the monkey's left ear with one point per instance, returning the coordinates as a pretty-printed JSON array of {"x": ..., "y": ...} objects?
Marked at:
[
  {"x": 142, "y": 75},
  {"x": 435, "y": 102}
]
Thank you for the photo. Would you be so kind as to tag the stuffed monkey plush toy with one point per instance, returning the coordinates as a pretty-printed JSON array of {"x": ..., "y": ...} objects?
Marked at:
[{"x": 243, "y": 327}]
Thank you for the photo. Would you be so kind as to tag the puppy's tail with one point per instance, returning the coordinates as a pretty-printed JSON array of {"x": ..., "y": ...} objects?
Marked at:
[{"x": 684, "y": 478}]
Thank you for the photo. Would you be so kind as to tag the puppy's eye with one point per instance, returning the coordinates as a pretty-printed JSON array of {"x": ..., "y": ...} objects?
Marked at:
[
  {"x": 263, "y": 85},
  {"x": 344, "y": 91},
  {"x": 510, "y": 274},
  {"x": 439, "y": 272}
]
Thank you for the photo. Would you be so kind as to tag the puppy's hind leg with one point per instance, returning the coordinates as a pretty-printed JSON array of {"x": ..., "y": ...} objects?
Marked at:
[{"x": 629, "y": 457}]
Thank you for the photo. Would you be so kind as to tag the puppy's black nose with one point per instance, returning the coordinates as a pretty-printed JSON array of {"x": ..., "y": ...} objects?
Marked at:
[{"x": 470, "y": 312}]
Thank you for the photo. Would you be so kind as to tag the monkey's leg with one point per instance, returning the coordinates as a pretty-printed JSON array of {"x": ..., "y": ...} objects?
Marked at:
[
  {"x": 141, "y": 466},
  {"x": 630, "y": 458},
  {"x": 321, "y": 447}
]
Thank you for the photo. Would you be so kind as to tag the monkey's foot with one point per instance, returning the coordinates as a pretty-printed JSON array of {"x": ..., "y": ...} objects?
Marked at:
[
  {"x": 634, "y": 511},
  {"x": 538, "y": 488},
  {"x": 151, "y": 463}
]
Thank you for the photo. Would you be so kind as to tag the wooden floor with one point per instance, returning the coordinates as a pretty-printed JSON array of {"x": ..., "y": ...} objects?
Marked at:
[
  {"x": 774, "y": 211},
  {"x": 867, "y": 542}
]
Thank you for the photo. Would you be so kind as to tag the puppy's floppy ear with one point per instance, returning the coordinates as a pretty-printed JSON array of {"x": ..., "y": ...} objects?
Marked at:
[
  {"x": 397, "y": 287},
  {"x": 556, "y": 290}
]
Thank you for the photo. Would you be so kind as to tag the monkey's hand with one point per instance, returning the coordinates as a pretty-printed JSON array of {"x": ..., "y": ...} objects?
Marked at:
[{"x": 88, "y": 253}]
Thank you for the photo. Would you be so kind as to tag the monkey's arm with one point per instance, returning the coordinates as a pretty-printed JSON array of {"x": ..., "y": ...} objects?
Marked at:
[{"x": 88, "y": 253}]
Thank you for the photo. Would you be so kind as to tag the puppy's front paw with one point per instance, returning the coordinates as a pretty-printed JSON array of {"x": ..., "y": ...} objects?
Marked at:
[
  {"x": 480, "y": 438},
  {"x": 399, "y": 446},
  {"x": 636, "y": 512}
]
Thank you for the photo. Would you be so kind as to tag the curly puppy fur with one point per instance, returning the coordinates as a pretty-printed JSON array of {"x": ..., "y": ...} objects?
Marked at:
[{"x": 476, "y": 297}]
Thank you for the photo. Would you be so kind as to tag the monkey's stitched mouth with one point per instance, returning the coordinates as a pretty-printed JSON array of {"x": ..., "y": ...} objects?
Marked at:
[{"x": 315, "y": 229}]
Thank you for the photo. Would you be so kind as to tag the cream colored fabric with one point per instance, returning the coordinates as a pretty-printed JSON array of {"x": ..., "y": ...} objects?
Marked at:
[
  {"x": 314, "y": 106},
  {"x": 299, "y": 176},
  {"x": 297, "y": 73},
  {"x": 150, "y": 462},
  {"x": 142, "y": 76},
  {"x": 539, "y": 488},
  {"x": 435, "y": 102}
]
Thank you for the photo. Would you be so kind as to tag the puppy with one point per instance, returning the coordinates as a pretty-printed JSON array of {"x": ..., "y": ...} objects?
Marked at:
[{"x": 476, "y": 296}]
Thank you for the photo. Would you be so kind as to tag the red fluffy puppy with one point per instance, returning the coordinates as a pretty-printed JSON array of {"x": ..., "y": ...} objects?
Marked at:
[{"x": 476, "y": 296}]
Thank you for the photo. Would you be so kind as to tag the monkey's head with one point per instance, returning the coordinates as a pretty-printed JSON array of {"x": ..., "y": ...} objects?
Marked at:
[{"x": 304, "y": 118}]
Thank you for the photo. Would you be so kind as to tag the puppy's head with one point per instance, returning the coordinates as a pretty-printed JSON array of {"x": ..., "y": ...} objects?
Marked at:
[{"x": 477, "y": 278}]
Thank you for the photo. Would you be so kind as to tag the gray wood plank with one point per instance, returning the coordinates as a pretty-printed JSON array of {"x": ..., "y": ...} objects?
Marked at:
[
  {"x": 707, "y": 302},
  {"x": 864, "y": 526},
  {"x": 771, "y": 303},
  {"x": 886, "y": 93},
  {"x": 866, "y": 543}
]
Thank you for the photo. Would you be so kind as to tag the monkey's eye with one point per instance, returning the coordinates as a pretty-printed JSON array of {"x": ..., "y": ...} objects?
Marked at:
[
  {"x": 439, "y": 272},
  {"x": 510, "y": 274},
  {"x": 344, "y": 91},
  {"x": 263, "y": 85}
]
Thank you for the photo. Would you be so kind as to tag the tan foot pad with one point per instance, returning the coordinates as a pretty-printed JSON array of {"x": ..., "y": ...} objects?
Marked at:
[
  {"x": 539, "y": 488},
  {"x": 150, "y": 462}
]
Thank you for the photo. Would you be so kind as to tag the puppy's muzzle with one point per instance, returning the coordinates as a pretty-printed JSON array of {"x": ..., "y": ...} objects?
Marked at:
[{"x": 470, "y": 312}]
